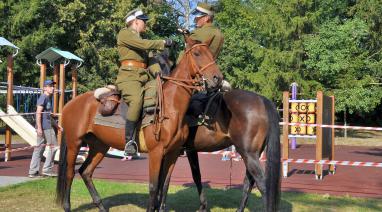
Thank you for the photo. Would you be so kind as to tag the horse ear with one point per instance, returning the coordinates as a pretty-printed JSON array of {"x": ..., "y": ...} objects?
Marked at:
[{"x": 190, "y": 42}]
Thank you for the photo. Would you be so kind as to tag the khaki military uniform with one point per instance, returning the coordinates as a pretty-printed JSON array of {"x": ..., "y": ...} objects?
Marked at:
[
  {"x": 208, "y": 33},
  {"x": 131, "y": 79}
]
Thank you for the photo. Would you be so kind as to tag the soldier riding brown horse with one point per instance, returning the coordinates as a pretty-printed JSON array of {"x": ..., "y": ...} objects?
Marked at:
[{"x": 163, "y": 149}]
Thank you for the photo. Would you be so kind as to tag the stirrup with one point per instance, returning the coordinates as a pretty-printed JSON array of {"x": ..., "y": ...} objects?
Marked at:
[
  {"x": 131, "y": 148},
  {"x": 203, "y": 120}
]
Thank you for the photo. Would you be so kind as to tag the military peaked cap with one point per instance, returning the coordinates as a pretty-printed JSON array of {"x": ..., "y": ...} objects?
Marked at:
[
  {"x": 136, "y": 14},
  {"x": 203, "y": 9}
]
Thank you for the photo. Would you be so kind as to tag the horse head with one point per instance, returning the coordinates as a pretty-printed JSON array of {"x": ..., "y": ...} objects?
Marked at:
[{"x": 203, "y": 64}]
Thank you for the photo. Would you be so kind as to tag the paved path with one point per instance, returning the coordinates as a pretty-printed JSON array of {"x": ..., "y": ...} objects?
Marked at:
[
  {"x": 354, "y": 181},
  {"x": 11, "y": 180}
]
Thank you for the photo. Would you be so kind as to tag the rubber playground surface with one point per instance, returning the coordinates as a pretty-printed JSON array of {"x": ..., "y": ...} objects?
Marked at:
[{"x": 348, "y": 180}]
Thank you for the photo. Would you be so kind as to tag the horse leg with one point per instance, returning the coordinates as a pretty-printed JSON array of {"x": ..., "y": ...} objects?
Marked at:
[
  {"x": 155, "y": 166},
  {"x": 97, "y": 152},
  {"x": 193, "y": 160},
  {"x": 247, "y": 188},
  {"x": 255, "y": 169},
  {"x": 167, "y": 168}
]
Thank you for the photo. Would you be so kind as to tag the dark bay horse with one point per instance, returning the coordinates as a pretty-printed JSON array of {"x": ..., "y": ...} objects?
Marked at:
[
  {"x": 250, "y": 122},
  {"x": 163, "y": 151}
]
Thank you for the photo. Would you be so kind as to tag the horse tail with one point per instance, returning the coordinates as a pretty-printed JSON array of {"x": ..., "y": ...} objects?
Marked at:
[
  {"x": 61, "y": 187},
  {"x": 273, "y": 181}
]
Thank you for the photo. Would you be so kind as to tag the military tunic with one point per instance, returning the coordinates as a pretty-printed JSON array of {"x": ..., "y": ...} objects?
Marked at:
[
  {"x": 208, "y": 33},
  {"x": 131, "y": 80}
]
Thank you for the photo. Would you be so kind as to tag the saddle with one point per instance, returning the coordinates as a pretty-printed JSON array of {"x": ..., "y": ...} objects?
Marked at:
[
  {"x": 109, "y": 97},
  {"x": 202, "y": 108}
]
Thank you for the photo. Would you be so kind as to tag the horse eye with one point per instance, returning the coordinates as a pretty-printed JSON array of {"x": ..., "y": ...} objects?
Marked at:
[{"x": 196, "y": 54}]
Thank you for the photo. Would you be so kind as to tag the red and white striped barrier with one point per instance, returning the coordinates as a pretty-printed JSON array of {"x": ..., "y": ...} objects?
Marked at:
[
  {"x": 334, "y": 162},
  {"x": 24, "y": 148},
  {"x": 333, "y": 126},
  {"x": 306, "y": 161},
  {"x": 262, "y": 158},
  {"x": 24, "y": 114}
]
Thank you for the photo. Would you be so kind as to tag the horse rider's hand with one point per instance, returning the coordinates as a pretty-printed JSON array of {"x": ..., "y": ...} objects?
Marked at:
[
  {"x": 184, "y": 31},
  {"x": 168, "y": 43}
]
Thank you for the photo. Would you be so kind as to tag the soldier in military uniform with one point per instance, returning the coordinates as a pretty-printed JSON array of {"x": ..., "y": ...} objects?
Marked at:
[
  {"x": 133, "y": 74},
  {"x": 206, "y": 32},
  {"x": 209, "y": 34}
]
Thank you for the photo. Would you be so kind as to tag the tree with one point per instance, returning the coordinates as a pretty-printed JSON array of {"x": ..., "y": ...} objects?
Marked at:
[
  {"x": 85, "y": 27},
  {"x": 339, "y": 58}
]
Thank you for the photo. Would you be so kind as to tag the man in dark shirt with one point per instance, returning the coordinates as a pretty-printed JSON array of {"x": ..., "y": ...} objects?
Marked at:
[{"x": 45, "y": 133}]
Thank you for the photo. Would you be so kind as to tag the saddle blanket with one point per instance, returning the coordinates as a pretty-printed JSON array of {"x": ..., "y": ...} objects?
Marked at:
[{"x": 117, "y": 120}]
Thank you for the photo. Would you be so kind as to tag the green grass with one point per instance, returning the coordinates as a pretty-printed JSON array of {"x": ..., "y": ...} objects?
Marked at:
[{"x": 39, "y": 196}]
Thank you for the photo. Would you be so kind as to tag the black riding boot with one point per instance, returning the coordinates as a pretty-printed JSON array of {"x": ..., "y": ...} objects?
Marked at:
[{"x": 131, "y": 146}]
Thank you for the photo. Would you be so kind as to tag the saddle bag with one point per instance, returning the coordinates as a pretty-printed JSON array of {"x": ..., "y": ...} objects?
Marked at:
[{"x": 109, "y": 103}]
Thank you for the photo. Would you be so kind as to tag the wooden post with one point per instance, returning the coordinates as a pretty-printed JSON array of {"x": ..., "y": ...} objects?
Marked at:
[
  {"x": 42, "y": 76},
  {"x": 74, "y": 82},
  {"x": 320, "y": 109},
  {"x": 61, "y": 100},
  {"x": 285, "y": 139},
  {"x": 8, "y": 132},
  {"x": 55, "y": 94}
]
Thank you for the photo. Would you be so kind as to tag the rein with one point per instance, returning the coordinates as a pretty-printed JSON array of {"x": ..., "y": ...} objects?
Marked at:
[
  {"x": 196, "y": 84},
  {"x": 199, "y": 80}
]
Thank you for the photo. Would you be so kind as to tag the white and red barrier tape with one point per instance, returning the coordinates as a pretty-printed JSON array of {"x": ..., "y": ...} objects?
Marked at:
[
  {"x": 25, "y": 148},
  {"x": 24, "y": 114},
  {"x": 234, "y": 154},
  {"x": 333, "y": 126},
  {"x": 333, "y": 162},
  {"x": 307, "y": 161}
]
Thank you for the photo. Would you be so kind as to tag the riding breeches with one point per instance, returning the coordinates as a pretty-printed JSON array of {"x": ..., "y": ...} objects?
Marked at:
[{"x": 130, "y": 82}]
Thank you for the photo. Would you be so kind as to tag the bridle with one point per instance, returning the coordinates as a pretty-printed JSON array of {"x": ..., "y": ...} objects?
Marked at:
[{"x": 198, "y": 83}]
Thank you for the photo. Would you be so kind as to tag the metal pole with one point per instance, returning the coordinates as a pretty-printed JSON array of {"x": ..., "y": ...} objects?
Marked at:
[{"x": 294, "y": 97}]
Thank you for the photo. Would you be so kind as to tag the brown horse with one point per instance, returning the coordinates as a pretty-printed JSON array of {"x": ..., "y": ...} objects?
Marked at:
[
  {"x": 250, "y": 122},
  {"x": 78, "y": 127}
]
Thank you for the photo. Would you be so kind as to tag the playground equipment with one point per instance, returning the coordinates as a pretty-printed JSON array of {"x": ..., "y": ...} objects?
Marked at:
[
  {"x": 304, "y": 114},
  {"x": 18, "y": 123},
  {"x": 8, "y": 133},
  {"x": 64, "y": 58}
]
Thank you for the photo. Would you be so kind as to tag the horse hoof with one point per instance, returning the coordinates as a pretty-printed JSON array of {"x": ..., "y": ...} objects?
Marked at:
[
  {"x": 102, "y": 208},
  {"x": 202, "y": 209}
]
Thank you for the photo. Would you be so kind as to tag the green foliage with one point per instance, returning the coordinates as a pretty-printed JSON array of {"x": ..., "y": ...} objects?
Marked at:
[
  {"x": 338, "y": 58},
  {"x": 334, "y": 46},
  {"x": 88, "y": 28}
]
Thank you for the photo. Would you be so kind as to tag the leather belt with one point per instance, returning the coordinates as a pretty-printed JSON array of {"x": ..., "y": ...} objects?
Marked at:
[{"x": 133, "y": 63}]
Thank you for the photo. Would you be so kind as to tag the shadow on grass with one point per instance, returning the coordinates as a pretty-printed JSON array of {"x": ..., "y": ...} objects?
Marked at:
[
  {"x": 312, "y": 172},
  {"x": 188, "y": 200},
  {"x": 357, "y": 134},
  {"x": 373, "y": 152}
]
